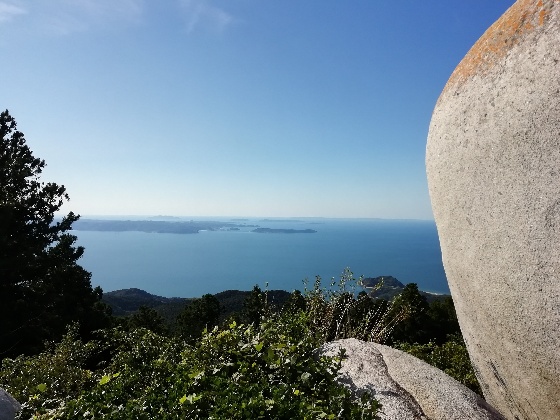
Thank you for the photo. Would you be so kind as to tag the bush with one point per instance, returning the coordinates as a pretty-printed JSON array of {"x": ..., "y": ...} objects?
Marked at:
[
  {"x": 237, "y": 372},
  {"x": 43, "y": 381}
]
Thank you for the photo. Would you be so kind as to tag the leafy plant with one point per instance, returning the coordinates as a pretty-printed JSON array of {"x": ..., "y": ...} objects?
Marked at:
[
  {"x": 238, "y": 372},
  {"x": 41, "y": 382}
]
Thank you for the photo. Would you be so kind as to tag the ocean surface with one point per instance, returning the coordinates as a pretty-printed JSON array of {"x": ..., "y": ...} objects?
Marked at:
[{"x": 190, "y": 265}]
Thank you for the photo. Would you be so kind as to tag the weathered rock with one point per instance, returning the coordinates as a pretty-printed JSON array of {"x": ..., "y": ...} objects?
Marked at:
[
  {"x": 9, "y": 407},
  {"x": 439, "y": 395},
  {"x": 365, "y": 371},
  {"x": 407, "y": 387},
  {"x": 493, "y": 165}
]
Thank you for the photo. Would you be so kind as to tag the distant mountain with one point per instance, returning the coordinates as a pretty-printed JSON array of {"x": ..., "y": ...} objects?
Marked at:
[
  {"x": 127, "y": 301},
  {"x": 388, "y": 287},
  {"x": 232, "y": 300}
]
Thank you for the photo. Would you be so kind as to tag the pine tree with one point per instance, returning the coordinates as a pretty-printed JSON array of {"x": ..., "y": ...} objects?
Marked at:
[
  {"x": 200, "y": 314},
  {"x": 42, "y": 288}
]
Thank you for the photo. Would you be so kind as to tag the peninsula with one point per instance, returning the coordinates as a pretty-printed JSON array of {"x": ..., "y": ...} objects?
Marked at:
[{"x": 153, "y": 226}]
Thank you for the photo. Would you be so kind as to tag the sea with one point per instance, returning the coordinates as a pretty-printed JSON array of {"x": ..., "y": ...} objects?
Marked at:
[{"x": 190, "y": 265}]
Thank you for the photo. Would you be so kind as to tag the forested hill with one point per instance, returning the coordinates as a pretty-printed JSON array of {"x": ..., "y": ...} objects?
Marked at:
[{"x": 127, "y": 301}]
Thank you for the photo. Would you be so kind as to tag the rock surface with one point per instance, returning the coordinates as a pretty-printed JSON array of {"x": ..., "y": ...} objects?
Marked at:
[
  {"x": 407, "y": 387},
  {"x": 8, "y": 406},
  {"x": 493, "y": 165},
  {"x": 439, "y": 395}
]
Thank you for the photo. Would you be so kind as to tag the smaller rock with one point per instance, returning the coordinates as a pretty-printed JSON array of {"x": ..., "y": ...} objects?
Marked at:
[
  {"x": 407, "y": 387},
  {"x": 9, "y": 407},
  {"x": 439, "y": 395},
  {"x": 363, "y": 370}
]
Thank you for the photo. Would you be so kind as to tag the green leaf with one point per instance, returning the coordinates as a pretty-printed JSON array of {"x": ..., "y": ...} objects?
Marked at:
[
  {"x": 196, "y": 375},
  {"x": 259, "y": 346},
  {"x": 193, "y": 398},
  {"x": 42, "y": 387},
  {"x": 105, "y": 379},
  {"x": 182, "y": 399}
]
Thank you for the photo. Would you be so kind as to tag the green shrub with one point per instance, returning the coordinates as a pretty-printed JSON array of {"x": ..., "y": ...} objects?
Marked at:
[
  {"x": 237, "y": 372},
  {"x": 41, "y": 382}
]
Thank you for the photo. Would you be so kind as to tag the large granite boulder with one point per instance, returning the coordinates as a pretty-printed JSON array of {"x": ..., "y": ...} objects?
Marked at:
[
  {"x": 9, "y": 407},
  {"x": 408, "y": 388},
  {"x": 493, "y": 165}
]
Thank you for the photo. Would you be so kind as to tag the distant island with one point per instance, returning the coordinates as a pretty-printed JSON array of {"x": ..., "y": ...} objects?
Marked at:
[
  {"x": 162, "y": 217},
  {"x": 281, "y": 220},
  {"x": 269, "y": 230},
  {"x": 155, "y": 226},
  {"x": 165, "y": 226}
]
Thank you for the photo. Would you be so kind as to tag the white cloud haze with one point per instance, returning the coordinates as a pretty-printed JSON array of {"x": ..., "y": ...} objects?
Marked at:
[
  {"x": 8, "y": 10},
  {"x": 64, "y": 17},
  {"x": 202, "y": 14}
]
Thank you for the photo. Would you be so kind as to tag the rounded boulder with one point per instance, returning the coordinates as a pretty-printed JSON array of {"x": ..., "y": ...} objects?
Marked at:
[{"x": 493, "y": 166}]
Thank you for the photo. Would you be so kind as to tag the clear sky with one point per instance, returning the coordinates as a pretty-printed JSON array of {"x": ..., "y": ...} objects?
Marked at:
[{"x": 235, "y": 107}]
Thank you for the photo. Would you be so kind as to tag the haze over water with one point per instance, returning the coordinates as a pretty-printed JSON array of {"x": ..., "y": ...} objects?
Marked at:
[{"x": 190, "y": 265}]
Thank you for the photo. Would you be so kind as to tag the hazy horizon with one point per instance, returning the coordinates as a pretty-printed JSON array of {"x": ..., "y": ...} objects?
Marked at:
[{"x": 233, "y": 217}]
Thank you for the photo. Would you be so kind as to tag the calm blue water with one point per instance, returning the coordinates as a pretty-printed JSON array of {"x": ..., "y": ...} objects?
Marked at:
[{"x": 209, "y": 262}]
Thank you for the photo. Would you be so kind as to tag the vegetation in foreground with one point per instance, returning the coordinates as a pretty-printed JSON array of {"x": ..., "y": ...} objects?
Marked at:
[
  {"x": 264, "y": 367},
  {"x": 234, "y": 372}
]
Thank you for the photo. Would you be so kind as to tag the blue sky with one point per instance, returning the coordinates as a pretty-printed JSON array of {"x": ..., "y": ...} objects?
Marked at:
[{"x": 235, "y": 107}]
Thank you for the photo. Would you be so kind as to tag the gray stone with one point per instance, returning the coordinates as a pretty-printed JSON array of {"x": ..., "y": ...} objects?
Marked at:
[
  {"x": 365, "y": 371},
  {"x": 9, "y": 407},
  {"x": 493, "y": 165},
  {"x": 439, "y": 395},
  {"x": 407, "y": 387}
]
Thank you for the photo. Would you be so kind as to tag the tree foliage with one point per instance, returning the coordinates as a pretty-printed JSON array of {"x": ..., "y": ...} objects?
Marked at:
[
  {"x": 423, "y": 322},
  {"x": 255, "y": 306},
  {"x": 147, "y": 318},
  {"x": 42, "y": 288},
  {"x": 414, "y": 325},
  {"x": 198, "y": 315}
]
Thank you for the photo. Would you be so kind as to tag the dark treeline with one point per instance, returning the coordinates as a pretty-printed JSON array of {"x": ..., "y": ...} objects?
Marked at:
[{"x": 421, "y": 321}]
